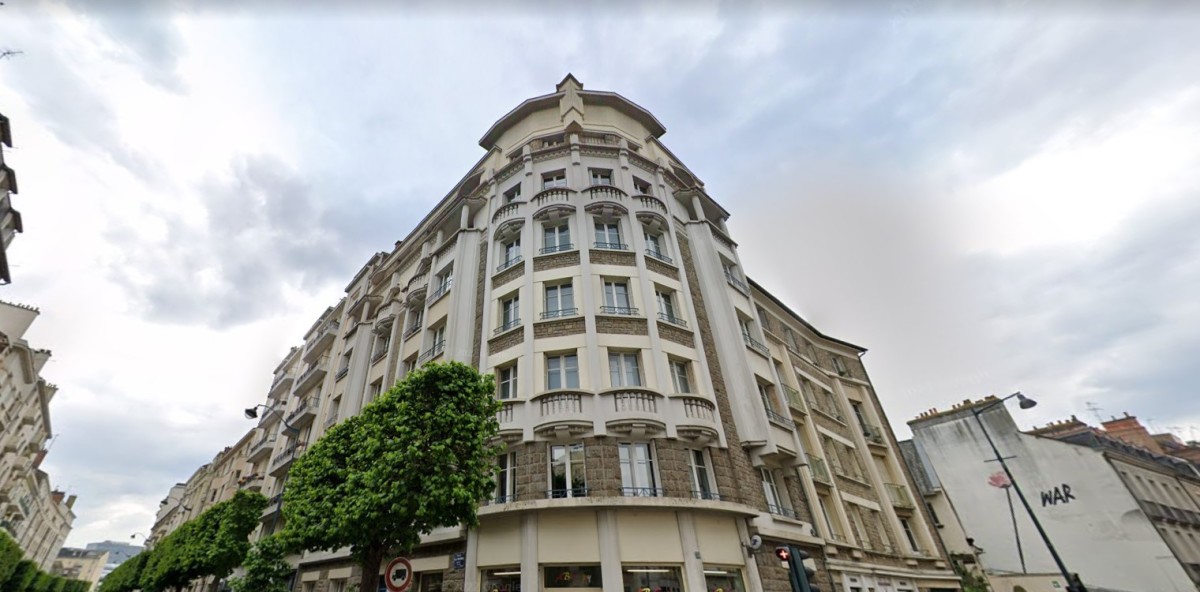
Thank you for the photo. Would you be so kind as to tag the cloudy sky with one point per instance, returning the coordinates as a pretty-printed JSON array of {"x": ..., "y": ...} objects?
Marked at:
[{"x": 988, "y": 200}]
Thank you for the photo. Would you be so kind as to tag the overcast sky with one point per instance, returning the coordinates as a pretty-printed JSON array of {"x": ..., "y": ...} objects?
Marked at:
[{"x": 987, "y": 201}]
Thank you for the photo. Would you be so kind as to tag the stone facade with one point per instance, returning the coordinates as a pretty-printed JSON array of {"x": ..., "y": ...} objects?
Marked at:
[
  {"x": 606, "y": 257},
  {"x": 504, "y": 341},
  {"x": 621, "y": 325},
  {"x": 673, "y": 333},
  {"x": 558, "y": 328},
  {"x": 556, "y": 261},
  {"x": 661, "y": 268},
  {"x": 508, "y": 275}
]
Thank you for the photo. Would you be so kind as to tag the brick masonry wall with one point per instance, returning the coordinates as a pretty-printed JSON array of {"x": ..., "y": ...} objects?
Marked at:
[
  {"x": 503, "y": 342},
  {"x": 661, "y": 268},
  {"x": 508, "y": 275},
  {"x": 555, "y": 261},
  {"x": 480, "y": 276},
  {"x": 605, "y": 257},
  {"x": 672, "y": 333},
  {"x": 740, "y": 474},
  {"x": 621, "y": 325},
  {"x": 558, "y": 328},
  {"x": 602, "y": 467}
]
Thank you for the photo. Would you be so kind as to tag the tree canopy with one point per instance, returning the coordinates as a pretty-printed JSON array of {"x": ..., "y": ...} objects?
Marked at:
[
  {"x": 266, "y": 569},
  {"x": 417, "y": 458},
  {"x": 22, "y": 575}
]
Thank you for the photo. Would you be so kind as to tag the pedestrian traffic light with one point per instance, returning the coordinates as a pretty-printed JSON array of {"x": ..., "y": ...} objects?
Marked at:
[{"x": 800, "y": 574}]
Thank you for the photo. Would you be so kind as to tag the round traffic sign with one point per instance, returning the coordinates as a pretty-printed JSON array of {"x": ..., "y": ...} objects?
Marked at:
[{"x": 399, "y": 575}]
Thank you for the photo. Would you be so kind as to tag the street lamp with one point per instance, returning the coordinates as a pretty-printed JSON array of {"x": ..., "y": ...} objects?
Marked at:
[
  {"x": 1073, "y": 582},
  {"x": 252, "y": 413}
]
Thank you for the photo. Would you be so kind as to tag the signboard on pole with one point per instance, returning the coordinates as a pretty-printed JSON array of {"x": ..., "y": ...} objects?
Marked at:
[{"x": 399, "y": 575}]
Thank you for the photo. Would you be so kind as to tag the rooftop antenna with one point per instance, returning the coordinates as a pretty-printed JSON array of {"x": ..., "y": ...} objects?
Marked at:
[{"x": 1095, "y": 409}]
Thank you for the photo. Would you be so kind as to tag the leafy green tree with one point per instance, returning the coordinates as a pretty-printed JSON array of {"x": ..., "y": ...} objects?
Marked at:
[
  {"x": 266, "y": 569},
  {"x": 126, "y": 577},
  {"x": 415, "y": 459},
  {"x": 22, "y": 577},
  {"x": 211, "y": 544},
  {"x": 10, "y": 556}
]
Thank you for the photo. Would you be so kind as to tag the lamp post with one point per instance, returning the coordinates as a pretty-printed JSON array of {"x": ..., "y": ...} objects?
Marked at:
[
  {"x": 1073, "y": 582},
  {"x": 252, "y": 413}
]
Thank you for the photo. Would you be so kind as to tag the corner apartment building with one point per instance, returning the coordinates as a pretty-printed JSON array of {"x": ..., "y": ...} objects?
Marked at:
[
  {"x": 1123, "y": 517},
  {"x": 81, "y": 564},
  {"x": 660, "y": 410},
  {"x": 31, "y": 511},
  {"x": 10, "y": 219}
]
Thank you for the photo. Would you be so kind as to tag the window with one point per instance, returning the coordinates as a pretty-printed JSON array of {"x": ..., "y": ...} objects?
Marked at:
[
  {"x": 652, "y": 577},
  {"x": 812, "y": 353},
  {"x": 637, "y": 470},
  {"x": 416, "y": 316},
  {"x": 836, "y": 531},
  {"x": 566, "y": 471},
  {"x": 790, "y": 337},
  {"x": 768, "y": 401},
  {"x": 908, "y": 534},
  {"x": 608, "y": 235},
  {"x": 679, "y": 376},
  {"x": 513, "y": 194},
  {"x": 383, "y": 340},
  {"x": 445, "y": 279},
  {"x": 556, "y": 238},
  {"x": 775, "y": 504},
  {"x": 654, "y": 244},
  {"x": 560, "y": 301},
  {"x": 616, "y": 296},
  {"x": 345, "y": 363},
  {"x": 506, "y": 386},
  {"x": 562, "y": 371},
  {"x": 572, "y": 576},
  {"x": 600, "y": 176},
  {"x": 510, "y": 313},
  {"x": 554, "y": 179},
  {"x": 747, "y": 327},
  {"x": 506, "y": 478},
  {"x": 505, "y": 579},
  {"x": 438, "y": 336},
  {"x": 376, "y": 389},
  {"x": 702, "y": 483},
  {"x": 839, "y": 365},
  {"x": 858, "y": 414},
  {"x": 431, "y": 582},
  {"x": 666, "y": 306},
  {"x": 641, "y": 186},
  {"x": 763, "y": 318},
  {"x": 512, "y": 252},
  {"x": 338, "y": 586},
  {"x": 860, "y": 532},
  {"x": 623, "y": 369}
]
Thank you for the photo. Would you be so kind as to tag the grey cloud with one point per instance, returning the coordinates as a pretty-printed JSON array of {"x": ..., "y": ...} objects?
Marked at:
[
  {"x": 264, "y": 229},
  {"x": 146, "y": 33}
]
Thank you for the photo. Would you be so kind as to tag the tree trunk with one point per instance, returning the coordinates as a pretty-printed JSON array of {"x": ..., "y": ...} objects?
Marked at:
[{"x": 372, "y": 558}]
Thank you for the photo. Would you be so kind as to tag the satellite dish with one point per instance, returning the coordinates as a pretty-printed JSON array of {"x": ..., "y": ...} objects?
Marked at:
[{"x": 755, "y": 543}]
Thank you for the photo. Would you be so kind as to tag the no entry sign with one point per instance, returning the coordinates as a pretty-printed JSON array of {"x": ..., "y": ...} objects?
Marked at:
[{"x": 399, "y": 575}]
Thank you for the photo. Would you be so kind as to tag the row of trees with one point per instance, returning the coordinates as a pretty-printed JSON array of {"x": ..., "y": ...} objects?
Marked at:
[
  {"x": 419, "y": 457},
  {"x": 211, "y": 544},
  {"x": 23, "y": 575}
]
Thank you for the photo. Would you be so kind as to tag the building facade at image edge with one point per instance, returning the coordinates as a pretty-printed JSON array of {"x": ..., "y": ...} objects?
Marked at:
[{"x": 659, "y": 409}]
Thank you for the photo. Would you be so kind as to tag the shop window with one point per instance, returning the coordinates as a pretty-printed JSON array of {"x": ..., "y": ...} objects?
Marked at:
[
  {"x": 652, "y": 579},
  {"x": 571, "y": 576},
  {"x": 504, "y": 579},
  {"x": 723, "y": 579},
  {"x": 431, "y": 582}
]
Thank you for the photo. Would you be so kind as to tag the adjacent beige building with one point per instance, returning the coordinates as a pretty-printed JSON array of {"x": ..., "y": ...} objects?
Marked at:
[
  {"x": 662, "y": 413},
  {"x": 81, "y": 564},
  {"x": 31, "y": 511}
]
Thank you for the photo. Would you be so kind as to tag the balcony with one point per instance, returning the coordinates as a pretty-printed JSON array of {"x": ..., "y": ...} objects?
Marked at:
[
  {"x": 563, "y": 412},
  {"x": 899, "y": 495},
  {"x": 781, "y": 511},
  {"x": 341, "y": 373},
  {"x": 560, "y": 313},
  {"x": 508, "y": 212},
  {"x": 794, "y": 399},
  {"x": 658, "y": 255},
  {"x": 441, "y": 290},
  {"x": 674, "y": 320},
  {"x": 624, "y": 311},
  {"x": 756, "y": 345},
  {"x": 699, "y": 422},
  {"x": 332, "y": 419},
  {"x": 285, "y": 457},
  {"x": 303, "y": 413},
  {"x": 779, "y": 420},
  {"x": 506, "y": 327},
  {"x": 508, "y": 417},
  {"x": 819, "y": 471},
  {"x": 251, "y": 483},
  {"x": 736, "y": 282},
  {"x": 610, "y": 246},
  {"x": 269, "y": 415},
  {"x": 313, "y": 376},
  {"x": 511, "y": 262},
  {"x": 874, "y": 434},
  {"x": 263, "y": 446},
  {"x": 434, "y": 351},
  {"x": 706, "y": 495},
  {"x": 274, "y": 505},
  {"x": 635, "y": 412},
  {"x": 642, "y": 492},
  {"x": 320, "y": 342},
  {"x": 556, "y": 249},
  {"x": 281, "y": 386}
]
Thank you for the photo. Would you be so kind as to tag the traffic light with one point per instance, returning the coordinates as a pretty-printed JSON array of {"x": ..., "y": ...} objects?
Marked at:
[{"x": 800, "y": 574}]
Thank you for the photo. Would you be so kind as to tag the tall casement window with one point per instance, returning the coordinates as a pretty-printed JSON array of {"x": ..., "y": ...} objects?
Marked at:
[
  {"x": 416, "y": 318},
  {"x": 637, "y": 470},
  {"x": 560, "y": 301},
  {"x": 506, "y": 478},
  {"x": 666, "y": 306},
  {"x": 775, "y": 503},
  {"x": 567, "y": 477},
  {"x": 641, "y": 186},
  {"x": 835, "y": 527},
  {"x": 445, "y": 279},
  {"x": 608, "y": 235},
  {"x": 703, "y": 486},
  {"x": 655, "y": 245},
  {"x": 438, "y": 337},
  {"x": 680, "y": 378},
  {"x": 562, "y": 371},
  {"x": 513, "y": 194},
  {"x": 556, "y": 238},
  {"x": 768, "y": 399},
  {"x": 554, "y": 179},
  {"x": 839, "y": 365},
  {"x": 601, "y": 176},
  {"x": 511, "y": 252},
  {"x": 510, "y": 313},
  {"x": 623, "y": 369},
  {"x": 908, "y": 534},
  {"x": 506, "y": 381},
  {"x": 616, "y": 297}
]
